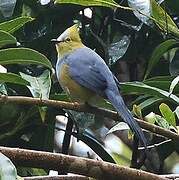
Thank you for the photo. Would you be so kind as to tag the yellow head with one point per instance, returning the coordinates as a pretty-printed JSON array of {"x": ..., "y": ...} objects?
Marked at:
[{"x": 68, "y": 41}]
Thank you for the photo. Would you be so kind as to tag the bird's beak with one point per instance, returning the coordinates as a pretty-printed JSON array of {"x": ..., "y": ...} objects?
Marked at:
[{"x": 55, "y": 41}]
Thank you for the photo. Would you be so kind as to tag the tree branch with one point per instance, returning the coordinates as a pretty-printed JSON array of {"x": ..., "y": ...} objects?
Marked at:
[
  {"x": 59, "y": 177},
  {"x": 90, "y": 168},
  {"x": 85, "y": 108}
]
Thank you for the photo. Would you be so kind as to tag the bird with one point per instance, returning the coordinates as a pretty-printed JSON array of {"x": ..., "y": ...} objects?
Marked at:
[{"x": 85, "y": 76}]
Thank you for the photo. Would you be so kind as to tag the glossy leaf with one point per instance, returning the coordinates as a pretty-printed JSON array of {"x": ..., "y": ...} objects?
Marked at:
[
  {"x": 23, "y": 56},
  {"x": 149, "y": 102},
  {"x": 39, "y": 86},
  {"x": 3, "y": 69},
  {"x": 118, "y": 49},
  {"x": 137, "y": 111},
  {"x": 119, "y": 127},
  {"x": 158, "y": 53},
  {"x": 162, "y": 19},
  {"x": 14, "y": 24},
  {"x": 121, "y": 160},
  {"x": 6, "y": 38},
  {"x": 150, "y": 118},
  {"x": 159, "y": 78},
  {"x": 3, "y": 90},
  {"x": 162, "y": 82},
  {"x": 150, "y": 10},
  {"x": 7, "y": 169},
  {"x": 143, "y": 6},
  {"x": 174, "y": 63},
  {"x": 7, "y": 7},
  {"x": 13, "y": 78},
  {"x": 177, "y": 111},
  {"x": 104, "y": 3},
  {"x": 141, "y": 88},
  {"x": 173, "y": 84},
  {"x": 162, "y": 122},
  {"x": 167, "y": 114}
]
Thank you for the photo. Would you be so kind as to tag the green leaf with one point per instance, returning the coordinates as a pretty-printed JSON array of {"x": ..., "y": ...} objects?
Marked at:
[
  {"x": 173, "y": 84},
  {"x": 162, "y": 82},
  {"x": 137, "y": 111},
  {"x": 121, "y": 160},
  {"x": 39, "y": 87},
  {"x": 143, "y": 10},
  {"x": 167, "y": 114},
  {"x": 150, "y": 101},
  {"x": 6, "y": 38},
  {"x": 13, "y": 78},
  {"x": 162, "y": 122},
  {"x": 23, "y": 56},
  {"x": 162, "y": 19},
  {"x": 7, "y": 169},
  {"x": 13, "y": 25},
  {"x": 141, "y": 88},
  {"x": 174, "y": 63},
  {"x": 177, "y": 111},
  {"x": 3, "y": 90},
  {"x": 150, "y": 118},
  {"x": 158, "y": 53},
  {"x": 104, "y": 3},
  {"x": 159, "y": 78},
  {"x": 123, "y": 155},
  {"x": 119, "y": 127},
  {"x": 117, "y": 49}
]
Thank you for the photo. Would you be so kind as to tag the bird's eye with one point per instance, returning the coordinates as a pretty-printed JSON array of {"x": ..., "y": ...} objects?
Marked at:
[{"x": 67, "y": 39}]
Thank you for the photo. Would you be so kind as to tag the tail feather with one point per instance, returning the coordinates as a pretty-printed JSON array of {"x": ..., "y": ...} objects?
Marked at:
[{"x": 121, "y": 108}]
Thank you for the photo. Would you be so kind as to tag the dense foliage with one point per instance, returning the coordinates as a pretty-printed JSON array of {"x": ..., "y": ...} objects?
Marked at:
[{"x": 141, "y": 48}]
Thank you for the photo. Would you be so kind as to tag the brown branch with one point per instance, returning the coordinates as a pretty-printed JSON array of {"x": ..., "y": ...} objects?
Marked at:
[
  {"x": 85, "y": 108},
  {"x": 59, "y": 177},
  {"x": 82, "y": 166}
]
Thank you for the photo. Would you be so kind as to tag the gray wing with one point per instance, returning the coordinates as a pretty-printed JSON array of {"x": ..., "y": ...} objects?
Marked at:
[{"x": 88, "y": 69}]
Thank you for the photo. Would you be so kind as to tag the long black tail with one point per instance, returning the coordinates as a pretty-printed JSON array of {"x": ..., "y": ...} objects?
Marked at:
[{"x": 121, "y": 108}]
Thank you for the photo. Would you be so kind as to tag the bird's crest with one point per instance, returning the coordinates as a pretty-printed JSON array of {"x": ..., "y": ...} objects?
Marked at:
[
  {"x": 73, "y": 32},
  {"x": 68, "y": 41}
]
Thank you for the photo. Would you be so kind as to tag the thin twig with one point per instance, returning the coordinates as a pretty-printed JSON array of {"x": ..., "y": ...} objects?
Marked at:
[
  {"x": 77, "y": 165},
  {"x": 85, "y": 108},
  {"x": 155, "y": 145}
]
